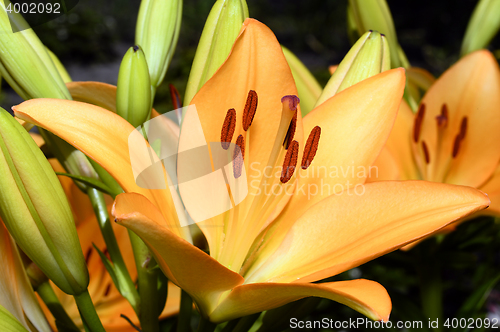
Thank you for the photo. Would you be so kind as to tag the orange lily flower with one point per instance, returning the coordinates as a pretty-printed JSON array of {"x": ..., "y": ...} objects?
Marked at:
[
  {"x": 268, "y": 250},
  {"x": 454, "y": 136},
  {"x": 109, "y": 304}
]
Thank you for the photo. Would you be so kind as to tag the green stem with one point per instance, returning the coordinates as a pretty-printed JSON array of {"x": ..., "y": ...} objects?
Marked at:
[
  {"x": 431, "y": 288},
  {"x": 206, "y": 325},
  {"x": 186, "y": 308},
  {"x": 148, "y": 285},
  {"x": 245, "y": 323},
  {"x": 126, "y": 285},
  {"x": 88, "y": 313},
  {"x": 50, "y": 299}
]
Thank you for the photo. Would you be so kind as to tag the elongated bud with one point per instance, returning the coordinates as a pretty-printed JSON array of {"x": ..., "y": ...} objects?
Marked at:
[
  {"x": 157, "y": 31},
  {"x": 35, "y": 210},
  {"x": 307, "y": 86},
  {"x": 375, "y": 15},
  {"x": 483, "y": 26},
  {"x": 60, "y": 67},
  {"x": 24, "y": 61},
  {"x": 9, "y": 323},
  {"x": 368, "y": 57},
  {"x": 221, "y": 29},
  {"x": 133, "y": 92}
]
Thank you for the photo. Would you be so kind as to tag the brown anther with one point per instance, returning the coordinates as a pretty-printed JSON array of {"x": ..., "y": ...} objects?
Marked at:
[
  {"x": 250, "y": 109},
  {"x": 463, "y": 128},
  {"x": 426, "y": 152},
  {"x": 291, "y": 131},
  {"x": 87, "y": 255},
  {"x": 293, "y": 102},
  {"x": 419, "y": 118},
  {"x": 176, "y": 97},
  {"x": 311, "y": 147},
  {"x": 227, "y": 132},
  {"x": 238, "y": 156},
  {"x": 442, "y": 119},
  {"x": 456, "y": 145},
  {"x": 290, "y": 162},
  {"x": 108, "y": 289}
]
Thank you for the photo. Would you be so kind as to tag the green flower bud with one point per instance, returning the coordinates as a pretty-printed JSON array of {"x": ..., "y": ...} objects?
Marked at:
[
  {"x": 35, "y": 210},
  {"x": 133, "y": 93},
  {"x": 60, "y": 67},
  {"x": 307, "y": 86},
  {"x": 482, "y": 27},
  {"x": 221, "y": 29},
  {"x": 375, "y": 15},
  {"x": 369, "y": 56},
  {"x": 9, "y": 323},
  {"x": 157, "y": 31},
  {"x": 24, "y": 61}
]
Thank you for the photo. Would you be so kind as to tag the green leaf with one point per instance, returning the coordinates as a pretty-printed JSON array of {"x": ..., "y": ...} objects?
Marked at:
[
  {"x": 92, "y": 183},
  {"x": 109, "y": 267},
  {"x": 476, "y": 301}
]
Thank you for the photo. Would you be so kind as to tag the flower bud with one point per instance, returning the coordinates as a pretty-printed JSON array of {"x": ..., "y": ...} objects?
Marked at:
[
  {"x": 157, "y": 31},
  {"x": 60, "y": 67},
  {"x": 9, "y": 323},
  {"x": 133, "y": 90},
  {"x": 35, "y": 210},
  {"x": 307, "y": 86},
  {"x": 222, "y": 27},
  {"x": 24, "y": 61},
  {"x": 369, "y": 56},
  {"x": 482, "y": 27},
  {"x": 375, "y": 15}
]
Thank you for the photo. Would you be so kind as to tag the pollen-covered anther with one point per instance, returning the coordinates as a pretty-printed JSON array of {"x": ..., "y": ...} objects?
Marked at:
[
  {"x": 290, "y": 162},
  {"x": 238, "y": 156},
  {"x": 456, "y": 146},
  {"x": 176, "y": 97},
  {"x": 291, "y": 131},
  {"x": 442, "y": 119},
  {"x": 311, "y": 147},
  {"x": 460, "y": 137},
  {"x": 290, "y": 102},
  {"x": 463, "y": 128},
  {"x": 426, "y": 153},
  {"x": 228, "y": 128},
  {"x": 250, "y": 109},
  {"x": 419, "y": 118}
]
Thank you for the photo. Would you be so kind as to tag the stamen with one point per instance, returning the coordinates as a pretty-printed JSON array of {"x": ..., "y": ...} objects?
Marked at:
[
  {"x": 442, "y": 119},
  {"x": 418, "y": 123},
  {"x": 176, "y": 97},
  {"x": 290, "y": 162},
  {"x": 463, "y": 128},
  {"x": 87, "y": 255},
  {"x": 238, "y": 156},
  {"x": 291, "y": 131},
  {"x": 426, "y": 153},
  {"x": 293, "y": 102},
  {"x": 456, "y": 145},
  {"x": 311, "y": 147},
  {"x": 228, "y": 128},
  {"x": 108, "y": 288},
  {"x": 250, "y": 109}
]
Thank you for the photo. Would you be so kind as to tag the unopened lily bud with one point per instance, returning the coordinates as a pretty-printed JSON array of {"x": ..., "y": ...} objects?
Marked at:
[
  {"x": 157, "y": 31},
  {"x": 24, "y": 61},
  {"x": 368, "y": 57},
  {"x": 9, "y": 323},
  {"x": 133, "y": 93},
  {"x": 60, "y": 67},
  {"x": 35, "y": 275},
  {"x": 482, "y": 27},
  {"x": 307, "y": 86},
  {"x": 221, "y": 29},
  {"x": 35, "y": 210},
  {"x": 375, "y": 15}
]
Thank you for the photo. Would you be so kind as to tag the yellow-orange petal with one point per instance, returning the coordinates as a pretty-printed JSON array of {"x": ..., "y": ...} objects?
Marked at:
[
  {"x": 103, "y": 136},
  {"x": 256, "y": 62},
  {"x": 190, "y": 268},
  {"x": 470, "y": 88},
  {"x": 355, "y": 125},
  {"x": 368, "y": 297},
  {"x": 349, "y": 229}
]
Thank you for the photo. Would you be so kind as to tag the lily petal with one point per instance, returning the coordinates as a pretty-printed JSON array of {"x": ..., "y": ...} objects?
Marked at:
[
  {"x": 470, "y": 88},
  {"x": 181, "y": 262},
  {"x": 104, "y": 137},
  {"x": 355, "y": 124},
  {"x": 349, "y": 229},
  {"x": 368, "y": 297}
]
